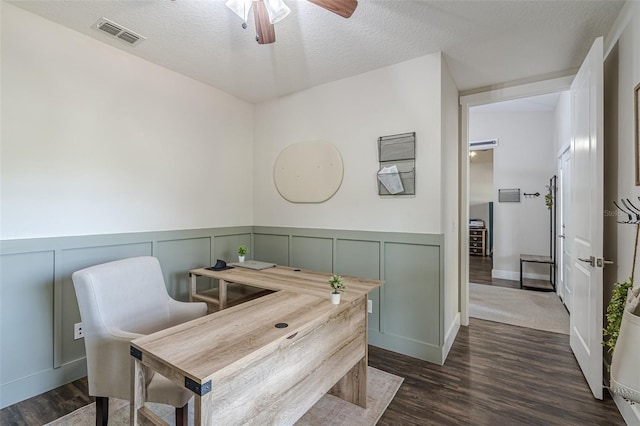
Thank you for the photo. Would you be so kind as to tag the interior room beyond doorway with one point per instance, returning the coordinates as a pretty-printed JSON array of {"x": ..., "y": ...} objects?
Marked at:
[{"x": 520, "y": 161}]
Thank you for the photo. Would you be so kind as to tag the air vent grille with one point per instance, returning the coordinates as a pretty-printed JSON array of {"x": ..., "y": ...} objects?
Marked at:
[
  {"x": 111, "y": 29},
  {"x": 118, "y": 31},
  {"x": 128, "y": 37}
]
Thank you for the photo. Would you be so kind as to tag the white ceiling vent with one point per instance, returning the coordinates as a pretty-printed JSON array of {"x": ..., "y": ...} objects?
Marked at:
[
  {"x": 118, "y": 31},
  {"x": 486, "y": 144}
]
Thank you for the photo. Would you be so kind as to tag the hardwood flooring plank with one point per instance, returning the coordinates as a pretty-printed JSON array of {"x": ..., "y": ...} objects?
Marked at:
[
  {"x": 48, "y": 406},
  {"x": 496, "y": 374}
]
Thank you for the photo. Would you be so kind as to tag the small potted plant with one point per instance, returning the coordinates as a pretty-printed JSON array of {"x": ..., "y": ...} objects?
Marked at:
[
  {"x": 337, "y": 287},
  {"x": 242, "y": 251}
]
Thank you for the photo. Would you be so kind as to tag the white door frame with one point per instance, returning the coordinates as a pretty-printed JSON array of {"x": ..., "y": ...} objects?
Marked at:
[
  {"x": 563, "y": 237},
  {"x": 559, "y": 84}
]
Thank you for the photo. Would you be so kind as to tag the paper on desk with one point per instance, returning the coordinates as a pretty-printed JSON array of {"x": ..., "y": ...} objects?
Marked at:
[{"x": 390, "y": 178}]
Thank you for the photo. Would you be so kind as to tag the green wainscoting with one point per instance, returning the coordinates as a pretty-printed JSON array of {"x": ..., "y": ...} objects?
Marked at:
[
  {"x": 408, "y": 312},
  {"x": 38, "y": 306}
]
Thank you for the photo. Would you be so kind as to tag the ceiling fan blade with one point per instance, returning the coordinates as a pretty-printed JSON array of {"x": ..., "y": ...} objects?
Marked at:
[
  {"x": 265, "y": 30},
  {"x": 343, "y": 8}
]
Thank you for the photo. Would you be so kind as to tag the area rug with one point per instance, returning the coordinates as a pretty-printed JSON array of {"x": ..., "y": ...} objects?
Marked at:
[
  {"x": 525, "y": 308},
  {"x": 329, "y": 410}
]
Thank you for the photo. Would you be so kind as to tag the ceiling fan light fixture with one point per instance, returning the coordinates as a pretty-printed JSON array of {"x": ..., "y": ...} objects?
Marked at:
[
  {"x": 277, "y": 10},
  {"x": 240, "y": 8}
]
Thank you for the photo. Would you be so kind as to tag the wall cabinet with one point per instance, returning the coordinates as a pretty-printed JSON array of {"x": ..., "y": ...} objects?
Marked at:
[{"x": 478, "y": 241}]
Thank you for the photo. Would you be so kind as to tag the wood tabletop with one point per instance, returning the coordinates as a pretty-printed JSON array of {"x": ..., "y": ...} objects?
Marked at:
[
  {"x": 292, "y": 279},
  {"x": 230, "y": 339}
]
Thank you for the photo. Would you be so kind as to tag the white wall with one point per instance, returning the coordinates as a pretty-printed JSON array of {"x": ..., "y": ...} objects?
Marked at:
[
  {"x": 621, "y": 75},
  {"x": 563, "y": 123},
  {"x": 525, "y": 158},
  {"x": 480, "y": 181},
  {"x": 352, "y": 114},
  {"x": 450, "y": 203},
  {"x": 95, "y": 140}
]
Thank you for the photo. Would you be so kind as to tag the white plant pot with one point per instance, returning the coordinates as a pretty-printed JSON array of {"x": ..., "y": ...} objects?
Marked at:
[
  {"x": 240, "y": 258},
  {"x": 625, "y": 369},
  {"x": 335, "y": 298}
]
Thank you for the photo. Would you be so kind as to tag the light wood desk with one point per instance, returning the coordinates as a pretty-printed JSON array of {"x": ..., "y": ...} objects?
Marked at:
[
  {"x": 276, "y": 279},
  {"x": 243, "y": 369}
]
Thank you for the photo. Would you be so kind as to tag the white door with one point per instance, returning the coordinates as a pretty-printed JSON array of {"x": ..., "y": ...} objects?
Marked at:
[
  {"x": 564, "y": 238},
  {"x": 587, "y": 184}
]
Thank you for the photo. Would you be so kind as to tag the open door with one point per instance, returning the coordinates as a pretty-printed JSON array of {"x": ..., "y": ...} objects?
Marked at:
[{"x": 587, "y": 185}]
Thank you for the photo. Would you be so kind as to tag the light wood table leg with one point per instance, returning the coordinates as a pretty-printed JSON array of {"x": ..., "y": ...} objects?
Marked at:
[
  {"x": 192, "y": 280},
  {"x": 138, "y": 390},
  {"x": 197, "y": 410},
  {"x": 222, "y": 293},
  {"x": 352, "y": 386},
  {"x": 203, "y": 410}
]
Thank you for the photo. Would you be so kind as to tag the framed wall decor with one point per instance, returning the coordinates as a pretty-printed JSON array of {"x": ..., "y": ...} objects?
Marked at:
[{"x": 636, "y": 119}]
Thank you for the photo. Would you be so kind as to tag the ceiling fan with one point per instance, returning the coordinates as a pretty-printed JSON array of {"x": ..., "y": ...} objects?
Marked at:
[{"x": 269, "y": 12}]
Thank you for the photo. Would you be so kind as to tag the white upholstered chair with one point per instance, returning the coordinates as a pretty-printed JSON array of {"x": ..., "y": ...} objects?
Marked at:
[{"x": 120, "y": 301}]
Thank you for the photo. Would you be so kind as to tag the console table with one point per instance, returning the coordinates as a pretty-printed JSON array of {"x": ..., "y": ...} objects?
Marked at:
[{"x": 548, "y": 260}]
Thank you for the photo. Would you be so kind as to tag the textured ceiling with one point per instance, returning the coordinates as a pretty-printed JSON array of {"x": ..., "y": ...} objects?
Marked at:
[{"x": 485, "y": 42}]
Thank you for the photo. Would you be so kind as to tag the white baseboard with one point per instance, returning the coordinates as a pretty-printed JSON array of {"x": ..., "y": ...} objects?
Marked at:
[
  {"x": 515, "y": 275},
  {"x": 630, "y": 413},
  {"x": 450, "y": 336}
]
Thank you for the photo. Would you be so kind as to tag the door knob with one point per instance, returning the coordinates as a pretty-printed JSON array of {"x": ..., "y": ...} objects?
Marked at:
[
  {"x": 591, "y": 260},
  {"x": 601, "y": 262}
]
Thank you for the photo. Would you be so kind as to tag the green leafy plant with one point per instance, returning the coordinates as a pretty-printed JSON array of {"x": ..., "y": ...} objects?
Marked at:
[
  {"x": 548, "y": 198},
  {"x": 615, "y": 311},
  {"x": 242, "y": 250},
  {"x": 337, "y": 284}
]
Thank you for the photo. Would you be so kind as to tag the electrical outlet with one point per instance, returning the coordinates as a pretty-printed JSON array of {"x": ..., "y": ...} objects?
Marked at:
[
  {"x": 77, "y": 331},
  {"x": 370, "y": 306}
]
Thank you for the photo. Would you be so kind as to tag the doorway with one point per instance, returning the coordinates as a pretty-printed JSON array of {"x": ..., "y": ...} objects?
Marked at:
[
  {"x": 522, "y": 164},
  {"x": 490, "y": 99}
]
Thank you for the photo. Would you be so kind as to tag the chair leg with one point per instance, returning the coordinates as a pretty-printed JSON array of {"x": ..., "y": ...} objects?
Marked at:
[
  {"x": 182, "y": 415},
  {"x": 102, "y": 410}
]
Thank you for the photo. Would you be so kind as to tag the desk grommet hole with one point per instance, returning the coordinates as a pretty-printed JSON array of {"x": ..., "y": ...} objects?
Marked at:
[
  {"x": 282, "y": 325},
  {"x": 296, "y": 270}
]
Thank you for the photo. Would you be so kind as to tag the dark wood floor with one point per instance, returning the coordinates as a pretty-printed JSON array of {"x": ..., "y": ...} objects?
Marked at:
[
  {"x": 496, "y": 374},
  {"x": 480, "y": 273},
  {"x": 48, "y": 406}
]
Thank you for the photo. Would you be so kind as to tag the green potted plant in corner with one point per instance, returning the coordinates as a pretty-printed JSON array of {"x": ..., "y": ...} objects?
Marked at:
[
  {"x": 242, "y": 252},
  {"x": 615, "y": 310},
  {"x": 337, "y": 287}
]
